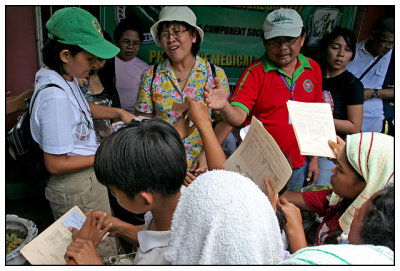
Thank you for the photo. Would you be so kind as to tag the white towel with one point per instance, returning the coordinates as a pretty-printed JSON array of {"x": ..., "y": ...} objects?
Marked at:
[
  {"x": 372, "y": 156},
  {"x": 224, "y": 218},
  {"x": 342, "y": 255}
]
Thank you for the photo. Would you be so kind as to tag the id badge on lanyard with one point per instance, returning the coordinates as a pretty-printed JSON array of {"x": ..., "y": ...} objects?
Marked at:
[{"x": 291, "y": 89}]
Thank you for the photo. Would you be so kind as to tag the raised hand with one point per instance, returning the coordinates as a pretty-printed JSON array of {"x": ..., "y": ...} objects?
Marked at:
[
  {"x": 198, "y": 112},
  {"x": 291, "y": 212},
  {"x": 337, "y": 147},
  {"x": 294, "y": 227},
  {"x": 270, "y": 193},
  {"x": 215, "y": 98}
]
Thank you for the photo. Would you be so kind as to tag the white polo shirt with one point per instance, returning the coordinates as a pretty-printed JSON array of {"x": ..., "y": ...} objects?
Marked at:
[
  {"x": 152, "y": 245},
  {"x": 60, "y": 120},
  {"x": 373, "y": 108}
]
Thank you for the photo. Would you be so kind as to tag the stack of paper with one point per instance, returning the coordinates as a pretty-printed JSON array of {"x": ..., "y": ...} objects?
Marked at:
[
  {"x": 49, "y": 247},
  {"x": 259, "y": 156},
  {"x": 313, "y": 125}
]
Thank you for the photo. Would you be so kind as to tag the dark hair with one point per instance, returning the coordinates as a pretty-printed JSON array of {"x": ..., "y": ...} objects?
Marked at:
[
  {"x": 347, "y": 35},
  {"x": 146, "y": 156},
  {"x": 281, "y": 218},
  {"x": 195, "y": 46},
  {"x": 51, "y": 54},
  {"x": 378, "y": 223},
  {"x": 383, "y": 24},
  {"x": 128, "y": 24}
]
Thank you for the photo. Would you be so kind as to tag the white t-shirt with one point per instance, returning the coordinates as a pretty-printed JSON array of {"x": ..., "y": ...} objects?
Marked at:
[
  {"x": 152, "y": 245},
  {"x": 127, "y": 79},
  {"x": 373, "y": 108},
  {"x": 57, "y": 122}
]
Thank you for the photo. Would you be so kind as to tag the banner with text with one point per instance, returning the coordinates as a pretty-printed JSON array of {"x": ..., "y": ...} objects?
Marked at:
[{"x": 232, "y": 34}]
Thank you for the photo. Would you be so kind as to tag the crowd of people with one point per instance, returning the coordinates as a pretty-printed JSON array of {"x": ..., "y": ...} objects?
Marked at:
[{"x": 166, "y": 168}]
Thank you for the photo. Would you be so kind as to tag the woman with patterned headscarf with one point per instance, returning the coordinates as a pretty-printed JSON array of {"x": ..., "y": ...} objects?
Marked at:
[{"x": 365, "y": 165}]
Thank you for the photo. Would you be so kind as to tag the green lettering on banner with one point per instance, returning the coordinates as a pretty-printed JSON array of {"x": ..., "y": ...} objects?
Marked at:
[
  {"x": 215, "y": 59},
  {"x": 205, "y": 56},
  {"x": 152, "y": 55},
  {"x": 227, "y": 42},
  {"x": 228, "y": 60},
  {"x": 155, "y": 56},
  {"x": 222, "y": 60}
]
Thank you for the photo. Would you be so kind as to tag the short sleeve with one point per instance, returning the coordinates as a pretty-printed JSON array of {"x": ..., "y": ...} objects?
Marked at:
[
  {"x": 220, "y": 73},
  {"x": 247, "y": 88},
  {"x": 144, "y": 102},
  {"x": 55, "y": 125},
  {"x": 316, "y": 200},
  {"x": 355, "y": 92}
]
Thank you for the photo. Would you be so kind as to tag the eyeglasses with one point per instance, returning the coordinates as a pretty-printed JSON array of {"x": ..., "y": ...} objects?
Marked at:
[
  {"x": 176, "y": 33},
  {"x": 277, "y": 42},
  {"x": 127, "y": 43},
  {"x": 386, "y": 43}
]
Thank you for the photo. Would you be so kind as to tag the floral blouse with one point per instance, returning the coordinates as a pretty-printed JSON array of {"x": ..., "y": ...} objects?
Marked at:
[{"x": 165, "y": 91}]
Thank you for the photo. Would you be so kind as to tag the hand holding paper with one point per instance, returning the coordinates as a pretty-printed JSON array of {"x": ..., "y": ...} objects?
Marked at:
[
  {"x": 259, "y": 156},
  {"x": 337, "y": 147},
  {"x": 92, "y": 230},
  {"x": 313, "y": 126},
  {"x": 49, "y": 247}
]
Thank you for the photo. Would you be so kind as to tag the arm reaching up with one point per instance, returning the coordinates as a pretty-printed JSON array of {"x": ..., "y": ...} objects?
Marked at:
[
  {"x": 293, "y": 227},
  {"x": 198, "y": 113}
]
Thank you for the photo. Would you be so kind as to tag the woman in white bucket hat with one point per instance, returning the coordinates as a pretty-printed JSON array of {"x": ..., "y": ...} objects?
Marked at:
[{"x": 180, "y": 73}]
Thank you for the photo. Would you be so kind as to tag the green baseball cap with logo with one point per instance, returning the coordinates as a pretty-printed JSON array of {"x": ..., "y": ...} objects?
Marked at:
[{"x": 76, "y": 26}]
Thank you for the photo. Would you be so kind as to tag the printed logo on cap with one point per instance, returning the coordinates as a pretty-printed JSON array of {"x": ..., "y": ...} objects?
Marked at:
[
  {"x": 282, "y": 19},
  {"x": 308, "y": 85},
  {"x": 98, "y": 27}
]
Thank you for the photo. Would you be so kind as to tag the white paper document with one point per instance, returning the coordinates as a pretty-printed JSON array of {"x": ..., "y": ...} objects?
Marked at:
[
  {"x": 49, "y": 247},
  {"x": 259, "y": 156},
  {"x": 313, "y": 126}
]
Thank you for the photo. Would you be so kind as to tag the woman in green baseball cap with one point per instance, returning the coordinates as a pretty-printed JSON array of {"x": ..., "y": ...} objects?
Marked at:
[{"x": 61, "y": 119}]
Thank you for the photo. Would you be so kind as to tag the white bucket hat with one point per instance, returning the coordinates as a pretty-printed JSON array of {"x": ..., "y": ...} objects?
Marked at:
[
  {"x": 176, "y": 13},
  {"x": 282, "y": 23}
]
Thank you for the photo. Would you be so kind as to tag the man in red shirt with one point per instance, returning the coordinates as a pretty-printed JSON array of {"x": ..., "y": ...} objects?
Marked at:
[{"x": 263, "y": 89}]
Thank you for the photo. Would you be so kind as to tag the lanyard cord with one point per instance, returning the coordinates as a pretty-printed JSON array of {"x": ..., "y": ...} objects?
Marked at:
[
  {"x": 287, "y": 85},
  {"x": 89, "y": 124}
]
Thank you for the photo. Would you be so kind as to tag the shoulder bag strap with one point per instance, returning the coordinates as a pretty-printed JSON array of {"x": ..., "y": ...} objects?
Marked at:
[
  {"x": 370, "y": 67},
  {"x": 37, "y": 93},
  {"x": 154, "y": 75},
  {"x": 214, "y": 74}
]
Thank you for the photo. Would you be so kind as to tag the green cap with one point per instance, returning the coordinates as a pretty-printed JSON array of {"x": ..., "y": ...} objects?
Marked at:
[{"x": 76, "y": 26}]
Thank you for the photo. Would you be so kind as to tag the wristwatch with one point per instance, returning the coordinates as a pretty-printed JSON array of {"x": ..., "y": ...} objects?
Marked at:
[{"x": 376, "y": 94}]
